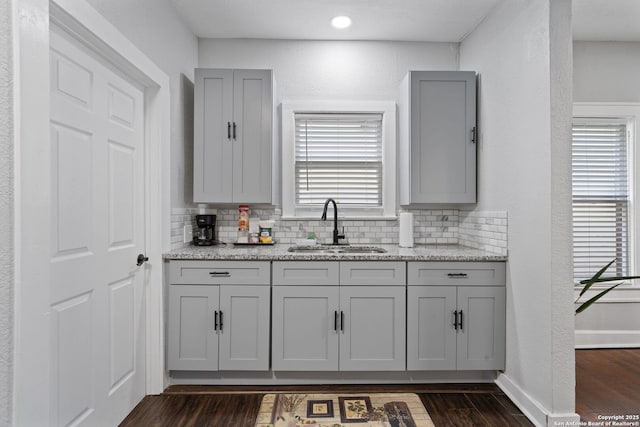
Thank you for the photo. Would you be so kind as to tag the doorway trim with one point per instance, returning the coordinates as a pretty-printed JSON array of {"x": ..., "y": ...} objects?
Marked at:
[{"x": 31, "y": 19}]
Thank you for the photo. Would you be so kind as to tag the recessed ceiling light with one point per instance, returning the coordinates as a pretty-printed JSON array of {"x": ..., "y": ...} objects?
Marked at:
[{"x": 341, "y": 22}]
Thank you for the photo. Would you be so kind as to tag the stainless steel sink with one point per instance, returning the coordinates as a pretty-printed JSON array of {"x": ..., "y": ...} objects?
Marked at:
[
  {"x": 362, "y": 250},
  {"x": 333, "y": 249}
]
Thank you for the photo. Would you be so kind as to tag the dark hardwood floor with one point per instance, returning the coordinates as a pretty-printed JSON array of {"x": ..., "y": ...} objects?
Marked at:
[
  {"x": 607, "y": 383},
  {"x": 449, "y": 405}
]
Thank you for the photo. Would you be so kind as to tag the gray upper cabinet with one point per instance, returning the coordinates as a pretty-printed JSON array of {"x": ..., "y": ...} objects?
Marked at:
[
  {"x": 233, "y": 132},
  {"x": 437, "y": 137}
]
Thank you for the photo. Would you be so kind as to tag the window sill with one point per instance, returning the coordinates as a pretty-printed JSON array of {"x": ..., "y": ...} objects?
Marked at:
[{"x": 622, "y": 294}]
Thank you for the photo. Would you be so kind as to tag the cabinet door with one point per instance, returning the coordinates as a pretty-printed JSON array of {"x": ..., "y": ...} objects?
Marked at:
[
  {"x": 244, "y": 329},
  {"x": 304, "y": 335},
  {"x": 252, "y": 118},
  {"x": 431, "y": 337},
  {"x": 372, "y": 330},
  {"x": 443, "y": 150},
  {"x": 192, "y": 338},
  {"x": 212, "y": 136},
  {"x": 481, "y": 340}
]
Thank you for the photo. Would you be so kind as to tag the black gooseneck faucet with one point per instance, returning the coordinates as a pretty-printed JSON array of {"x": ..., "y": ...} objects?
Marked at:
[{"x": 336, "y": 235}]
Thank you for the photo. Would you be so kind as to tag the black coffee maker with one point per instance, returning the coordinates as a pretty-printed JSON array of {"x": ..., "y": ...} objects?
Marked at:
[{"x": 205, "y": 234}]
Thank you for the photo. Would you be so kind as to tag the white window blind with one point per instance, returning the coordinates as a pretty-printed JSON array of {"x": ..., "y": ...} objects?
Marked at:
[
  {"x": 339, "y": 156},
  {"x": 600, "y": 196}
]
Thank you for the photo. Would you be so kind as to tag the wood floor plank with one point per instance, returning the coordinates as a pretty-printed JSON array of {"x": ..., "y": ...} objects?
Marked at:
[
  {"x": 519, "y": 418},
  {"x": 607, "y": 383},
  {"x": 195, "y": 411},
  {"x": 487, "y": 404},
  {"x": 452, "y": 410}
]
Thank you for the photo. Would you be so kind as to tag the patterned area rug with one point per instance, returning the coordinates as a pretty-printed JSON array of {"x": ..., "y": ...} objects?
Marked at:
[{"x": 343, "y": 410}]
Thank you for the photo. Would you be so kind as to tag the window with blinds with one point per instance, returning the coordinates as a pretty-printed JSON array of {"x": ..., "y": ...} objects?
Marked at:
[
  {"x": 339, "y": 156},
  {"x": 600, "y": 191}
]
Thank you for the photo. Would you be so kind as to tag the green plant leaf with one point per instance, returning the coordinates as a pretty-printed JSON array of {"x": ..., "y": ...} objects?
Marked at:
[
  {"x": 590, "y": 301},
  {"x": 614, "y": 278},
  {"x": 587, "y": 283}
]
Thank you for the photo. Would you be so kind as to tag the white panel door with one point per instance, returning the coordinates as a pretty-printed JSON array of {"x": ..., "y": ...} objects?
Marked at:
[{"x": 97, "y": 304}]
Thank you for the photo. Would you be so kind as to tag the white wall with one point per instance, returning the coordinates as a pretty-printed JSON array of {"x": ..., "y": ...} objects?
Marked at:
[
  {"x": 608, "y": 72},
  {"x": 6, "y": 213},
  {"x": 331, "y": 69},
  {"x": 522, "y": 53},
  {"x": 157, "y": 30}
]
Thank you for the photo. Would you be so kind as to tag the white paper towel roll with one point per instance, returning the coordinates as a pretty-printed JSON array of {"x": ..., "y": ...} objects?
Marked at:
[{"x": 406, "y": 230}]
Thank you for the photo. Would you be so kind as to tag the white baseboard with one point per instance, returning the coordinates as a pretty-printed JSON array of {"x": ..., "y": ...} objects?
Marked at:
[
  {"x": 606, "y": 339},
  {"x": 533, "y": 409}
]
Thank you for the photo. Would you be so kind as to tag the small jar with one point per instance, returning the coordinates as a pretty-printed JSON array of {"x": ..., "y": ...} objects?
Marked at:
[
  {"x": 243, "y": 236},
  {"x": 266, "y": 231}
]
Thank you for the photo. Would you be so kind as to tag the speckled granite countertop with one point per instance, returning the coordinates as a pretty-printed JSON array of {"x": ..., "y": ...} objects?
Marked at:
[{"x": 278, "y": 252}]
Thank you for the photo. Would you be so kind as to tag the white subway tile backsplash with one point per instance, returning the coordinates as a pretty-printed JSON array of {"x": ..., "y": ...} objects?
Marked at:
[{"x": 485, "y": 230}]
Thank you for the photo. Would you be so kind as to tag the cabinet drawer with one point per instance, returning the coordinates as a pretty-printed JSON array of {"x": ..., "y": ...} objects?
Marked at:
[
  {"x": 291, "y": 273},
  {"x": 373, "y": 273},
  {"x": 456, "y": 273},
  {"x": 219, "y": 272}
]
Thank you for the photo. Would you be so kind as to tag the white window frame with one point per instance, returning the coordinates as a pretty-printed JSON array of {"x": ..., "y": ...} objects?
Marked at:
[
  {"x": 388, "y": 111},
  {"x": 631, "y": 112}
]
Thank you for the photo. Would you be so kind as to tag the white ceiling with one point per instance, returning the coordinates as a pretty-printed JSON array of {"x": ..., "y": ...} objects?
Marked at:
[{"x": 406, "y": 20}]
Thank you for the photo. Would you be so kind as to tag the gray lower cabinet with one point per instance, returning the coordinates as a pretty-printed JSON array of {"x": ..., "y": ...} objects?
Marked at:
[
  {"x": 330, "y": 316},
  {"x": 305, "y": 328},
  {"x": 456, "y": 316},
  {"x": 372, "y": 328},
  {"x": 215, "y": 320}
]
